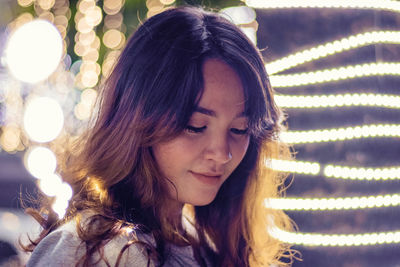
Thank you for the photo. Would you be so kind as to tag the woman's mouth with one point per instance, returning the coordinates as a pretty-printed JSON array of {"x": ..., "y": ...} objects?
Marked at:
[{"x": 207, "y": 178}]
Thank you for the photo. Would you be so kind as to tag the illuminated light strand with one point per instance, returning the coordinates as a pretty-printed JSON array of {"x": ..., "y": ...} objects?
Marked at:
[
  {"x": 340, "y": 100},
  {"x": 332, "y": 48},
  {"x": 346, "y": 203},
  {"x": 115, "y": 38},
  {"x": 334, "y": 171},
  {"x": 87, "y": 46},
  {"x": 352, "y": 173},
  {"x": 303, "y": 167},
  {"x": 339, "y": 134},
  {"x": 314, "y": 239},
  {"x": 336, "y": 74},
  {"x": 388, "y": 5}
]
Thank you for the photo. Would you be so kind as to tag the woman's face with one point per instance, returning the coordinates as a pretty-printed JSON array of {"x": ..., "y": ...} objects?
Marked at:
[{"x": 203, "y": 156}]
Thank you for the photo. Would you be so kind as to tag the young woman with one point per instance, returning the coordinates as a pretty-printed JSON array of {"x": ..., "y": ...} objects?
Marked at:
[{"x": 173, "y": 170}]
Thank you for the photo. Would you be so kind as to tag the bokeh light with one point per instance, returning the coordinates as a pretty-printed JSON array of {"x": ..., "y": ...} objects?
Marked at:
[
  {"x": 52, "y": 185},
  {"x": 34, "y": 51},
  {"x": 40, "y": 162},
  {"x": 239, "y": 14},
  {"x": 43, "y": 119},
  {"x": 10, "y": 221},
  {"x": 10, "y": 139},
  {"x": 60, "y": 205}
]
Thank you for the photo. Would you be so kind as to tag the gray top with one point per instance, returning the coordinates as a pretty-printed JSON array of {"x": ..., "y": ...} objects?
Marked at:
[{"x": 63, "y": 247}]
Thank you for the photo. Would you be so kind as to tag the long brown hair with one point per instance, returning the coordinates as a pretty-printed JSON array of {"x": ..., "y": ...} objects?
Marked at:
[{"x": 149, "y": 98}]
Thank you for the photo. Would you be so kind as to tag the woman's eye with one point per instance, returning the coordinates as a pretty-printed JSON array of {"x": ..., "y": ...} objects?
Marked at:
[
  {"x": 192, "y": 129},
  {"x": 239, "y": 131}
]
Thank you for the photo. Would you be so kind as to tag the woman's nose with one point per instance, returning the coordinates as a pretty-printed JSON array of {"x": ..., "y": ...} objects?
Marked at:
[{"x": 218, "y": 150}]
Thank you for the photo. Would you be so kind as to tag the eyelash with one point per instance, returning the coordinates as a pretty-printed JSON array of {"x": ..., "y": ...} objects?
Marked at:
[{"x": 192, "y": 129}]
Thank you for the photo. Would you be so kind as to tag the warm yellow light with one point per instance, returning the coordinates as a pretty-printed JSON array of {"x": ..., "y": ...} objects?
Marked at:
[
  {"x": 63, "y": 32},
  {"x": 10, "y": 138},
  {"x": 82, "y": 111},
  {"x": 331, "y": 48},
  {"x": 154, "y": 4},
  {"x": 34, "y": 51},
  {"x": 93, "y": 16},
  {"x": 50, "y": 184},
  {"x": 47, "y": 15},
  {"x": 339, "y": 100},
  {"x": 112, "y": 7},
  {"x": 83, "y": 26},
  {"x": 388, "y": 5},
  {"x": 84, "y": 108},
  {"x": 339, "y": 134},
  {"x": 336, "y": 74},
  {"x": 167, "y": 2},
  {"x": 46, "y": 4},
  {"x": 360, "y": 173},
  {"x": 85, "y": 5},
  {"x": 10, "y": 221},
  {"x": 20, "y": 20},
  {"x": 90, "y": 66},
  {"x": 335, "y": 171},
  {"x": 61, "y": 20},
  {"x": 80, "y": 49},
  {"x": 239, "y": 14},
  {"x": 96, "y": 43},
  {"x": 91, "y": 55},
  {"x": 113, "y": 21},
  {"x": 87, "y": 38},
  {"x": 40, "y": 162},
  {"x": 113, "y": 38},
  {"x": 302, "y": 167},
  {"x": 88, "y": 97},
  {"x": 60, "y": 206},
  {"x": 251, "y": 33},
  {"x": 89, "y": 78},
  {"x": 346, "y": 203},
  {"x": 313, "y": 239},
  {"x": 43, "y": 119},
  {"x": 109, "y": 62},
  {"x": 25, "y": 3}
]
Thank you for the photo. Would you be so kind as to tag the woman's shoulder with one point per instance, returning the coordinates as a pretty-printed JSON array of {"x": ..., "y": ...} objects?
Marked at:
[
  {"x": 59, "y": 248},
  {"x": 63, "y": 247}
]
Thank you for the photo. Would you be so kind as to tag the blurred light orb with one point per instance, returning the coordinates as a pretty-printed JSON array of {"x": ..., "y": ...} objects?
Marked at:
[
  {"x": 34, "y": 51},
  {"x": 60, "y": 206},
  {"x": 239, "y": 14},
  {"x": 10, "y": 221},
  {"x": 40, "y": 162},
  {"x": 52, "y": 185},
  {"x": 43, "y": 119}
]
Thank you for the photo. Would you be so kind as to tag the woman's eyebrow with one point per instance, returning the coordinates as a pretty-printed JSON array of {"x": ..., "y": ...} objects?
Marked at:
[
  {"x": 205, "y": 111},
  {"x": 212, "y": 113}
]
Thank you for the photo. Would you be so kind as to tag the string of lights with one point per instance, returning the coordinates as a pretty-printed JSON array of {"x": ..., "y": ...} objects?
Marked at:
[
  {"x": 335, "y": 171},
  {"x": 114, "y": 37},
  {"x": 339, "y": 100},
  {"x": 308, "y": 239},
  {"x": 87, "y": 43},
  {"x": 352, "y": 173},
  {"x": 41, "y": 162},
  {"x": 301, "y": 167},
  {"x": 388, "y": 5},
  {"x": 331, "y": 48},
  {"x": 336, "y": 74},
  {"x": 340, "y": 134},
  {"x": 322, "y": 204}
]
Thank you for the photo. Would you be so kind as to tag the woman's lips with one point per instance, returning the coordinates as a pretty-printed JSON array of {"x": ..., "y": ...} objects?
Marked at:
[{"x": 207, "y": 178}]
